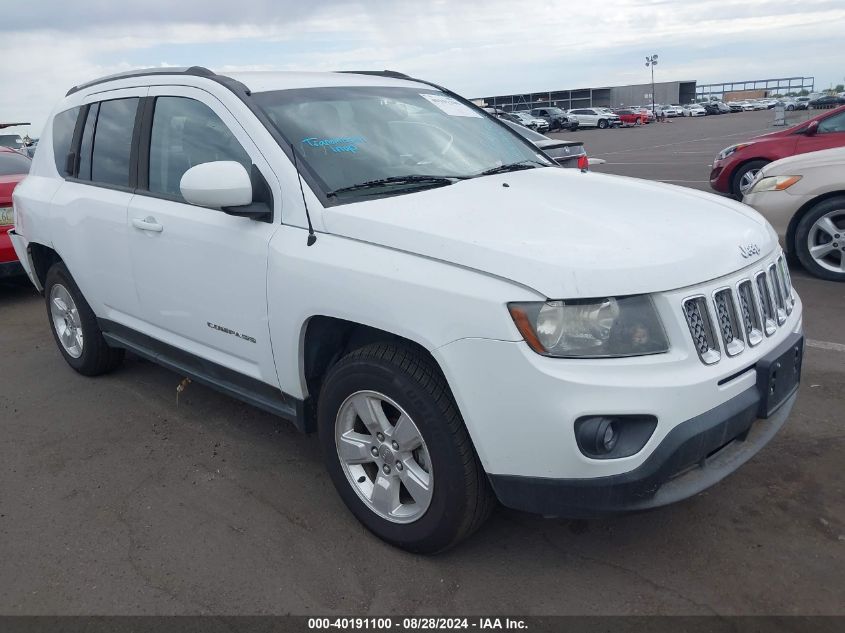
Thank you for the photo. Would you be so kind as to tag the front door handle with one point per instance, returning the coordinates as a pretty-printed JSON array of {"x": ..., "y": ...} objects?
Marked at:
[{"x": 147, "y": 224}]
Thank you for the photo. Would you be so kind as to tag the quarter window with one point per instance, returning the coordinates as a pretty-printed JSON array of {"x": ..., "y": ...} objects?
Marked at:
[
  {"x": 113, "y": 142},
  {"x": 187, "y": 133},
  {"x": 63, "y": 126}
]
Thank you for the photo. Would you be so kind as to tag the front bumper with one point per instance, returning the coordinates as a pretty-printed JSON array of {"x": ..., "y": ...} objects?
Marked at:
[
  {"x": 695, "y": 455},
  {"x": 777, "y": 207}
]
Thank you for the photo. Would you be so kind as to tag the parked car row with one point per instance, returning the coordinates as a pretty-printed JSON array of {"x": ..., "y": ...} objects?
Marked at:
[{"x": 794, "y": 178}]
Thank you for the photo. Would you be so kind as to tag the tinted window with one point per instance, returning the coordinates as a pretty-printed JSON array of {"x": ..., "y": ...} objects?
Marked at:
[
  {"x": 63, "y": 126},
  {"x": 187, "y": 133},
  {"x": 113, "y": 142},
  {"x": 835, "y": 123},
  {"x": 87, "y": 144},
  {"x": 12, "y": 163}
]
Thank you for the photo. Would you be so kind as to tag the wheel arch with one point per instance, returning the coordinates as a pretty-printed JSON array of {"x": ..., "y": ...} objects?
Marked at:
[
  {"x": 801, "y": 212},
  {"x": 326, "y": 339},
  {"x": 42, "y": 257}
]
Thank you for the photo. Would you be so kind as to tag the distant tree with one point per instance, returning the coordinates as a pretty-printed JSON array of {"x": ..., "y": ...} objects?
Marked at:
[
  {"x": 803, "y": 93},
  {"x": 839, "y": 88},
  {"x": 791, "y": 94}
]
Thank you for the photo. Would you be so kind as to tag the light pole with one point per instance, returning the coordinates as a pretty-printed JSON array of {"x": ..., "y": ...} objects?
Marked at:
[{"x": 652, "y": 61}]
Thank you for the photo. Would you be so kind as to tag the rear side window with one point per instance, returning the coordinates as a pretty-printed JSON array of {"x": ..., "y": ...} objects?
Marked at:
[
  {"x": 113, "y": 142},
  {"x": 187, "y": 133},
  {"x": 63, "y": 126},
  {"x": 12, "y": 163}
]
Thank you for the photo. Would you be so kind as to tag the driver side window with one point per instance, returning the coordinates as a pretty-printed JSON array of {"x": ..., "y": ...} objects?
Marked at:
[
  {"x": 834, "y": 123},
  {"x": 187, "y": 133}
]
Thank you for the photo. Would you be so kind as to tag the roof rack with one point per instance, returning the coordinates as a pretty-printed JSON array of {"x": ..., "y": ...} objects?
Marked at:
[
  {"x": 196, "y": 71},
  {"x": 379, "y": 73}
]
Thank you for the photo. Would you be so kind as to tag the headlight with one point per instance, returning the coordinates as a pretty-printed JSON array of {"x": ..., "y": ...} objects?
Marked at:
[
  {"x": 591, "y": 328},
  {"x": 774, "y": 183},
  {"x": 730, "y": 150}
]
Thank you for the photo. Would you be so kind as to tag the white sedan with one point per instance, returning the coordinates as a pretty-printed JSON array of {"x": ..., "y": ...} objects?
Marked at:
[{"x": 694, "y": 109}]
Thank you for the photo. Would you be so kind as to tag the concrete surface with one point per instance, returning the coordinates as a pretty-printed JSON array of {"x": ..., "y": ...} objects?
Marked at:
[{"x": 114, "y": 500}]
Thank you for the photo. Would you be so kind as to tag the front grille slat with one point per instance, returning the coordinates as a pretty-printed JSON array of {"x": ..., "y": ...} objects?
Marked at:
[
  {"x": 766, "y": 306},
  {"x": 701, "y": 329},
  {"x": 777, "y": 293},
  {"x": 750, "y": 313},
  {"x": 729, "y": 324}
]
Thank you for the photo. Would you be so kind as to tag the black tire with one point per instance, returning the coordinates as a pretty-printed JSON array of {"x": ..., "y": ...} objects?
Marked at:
[
  {"x": 802, "y": 231},
  {"x": 97, "y": 357},
  {"x": 739, "y": 173},
  {"x": 790, "y": 107},
  {"x": 602, "y": 124},
  {"x": 462, "y": 498}
]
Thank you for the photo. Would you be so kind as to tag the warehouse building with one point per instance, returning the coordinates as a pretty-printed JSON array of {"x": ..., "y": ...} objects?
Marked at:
[
  {"x": 607, "y": 96},
  {"x": 677, "y": 92}
]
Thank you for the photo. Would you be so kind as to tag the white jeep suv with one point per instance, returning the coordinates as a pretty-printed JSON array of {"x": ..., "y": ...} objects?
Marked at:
[{"x": 378, "y": 260}]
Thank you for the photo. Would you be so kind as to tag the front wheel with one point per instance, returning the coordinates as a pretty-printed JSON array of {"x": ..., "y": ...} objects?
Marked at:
[
  {"x": 74, "y": 326},
  {"x": 602, "y": 124},
  {"x": 397, "y": 449},
  {"x": 820, "y": 239},
  {"x": 744, "y": 177}
]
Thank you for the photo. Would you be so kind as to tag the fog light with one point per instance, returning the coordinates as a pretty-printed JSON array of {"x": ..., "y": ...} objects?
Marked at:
[
  {"x": 608, "y": 435},
  {"x": 613, "y": 436}
]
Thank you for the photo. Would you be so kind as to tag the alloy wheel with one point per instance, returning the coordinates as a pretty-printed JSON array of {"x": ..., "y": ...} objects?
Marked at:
[
  {"x": 66, "y": 321},
  {"x": 747, "y": 180},
  {"x": 384, "y": 456},
  {"x": 826, "y": 241}
]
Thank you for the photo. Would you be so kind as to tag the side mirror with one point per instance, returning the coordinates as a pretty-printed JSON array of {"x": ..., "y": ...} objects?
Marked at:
[
  {"x": 218, "y": 184},
  {"x": 812, "y": 128}
]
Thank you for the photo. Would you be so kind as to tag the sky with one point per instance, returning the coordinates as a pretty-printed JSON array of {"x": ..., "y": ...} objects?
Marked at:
[{"x": 475, "y": 48}]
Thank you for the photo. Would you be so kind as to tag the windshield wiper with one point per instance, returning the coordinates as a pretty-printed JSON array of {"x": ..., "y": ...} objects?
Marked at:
[
  {"x": 434, "y": 181},
  {"x": 523, "y": 164}
]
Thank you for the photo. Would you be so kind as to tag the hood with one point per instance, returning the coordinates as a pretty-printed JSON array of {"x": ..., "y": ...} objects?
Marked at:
[
  {"x": 800, "y": 163},
  {"x": 565, "y": 233}
]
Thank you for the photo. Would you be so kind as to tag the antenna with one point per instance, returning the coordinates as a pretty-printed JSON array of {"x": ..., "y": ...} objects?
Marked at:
[{"x": 312, "y": 237}]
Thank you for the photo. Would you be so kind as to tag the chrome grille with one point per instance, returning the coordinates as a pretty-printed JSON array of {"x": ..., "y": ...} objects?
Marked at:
[
  {"x": 700, "y": 326},
  {"x": 742, "y": 314},
  {"x": 750, "y": 314},
  {"x": 729, "y": 325}
]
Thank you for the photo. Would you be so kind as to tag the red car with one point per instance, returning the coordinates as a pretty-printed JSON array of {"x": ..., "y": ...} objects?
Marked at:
[
  {"x": 14, "y": 167},
  {"x": 632, "y": 117},
  {"x": 736, "y": 166}
]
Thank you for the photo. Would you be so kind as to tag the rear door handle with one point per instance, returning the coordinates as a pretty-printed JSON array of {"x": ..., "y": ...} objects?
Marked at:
[{"x": 147, "y": 224}]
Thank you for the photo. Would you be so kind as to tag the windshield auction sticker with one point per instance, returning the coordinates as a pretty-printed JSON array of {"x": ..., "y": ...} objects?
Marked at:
[{"x": 450, "y": 106}]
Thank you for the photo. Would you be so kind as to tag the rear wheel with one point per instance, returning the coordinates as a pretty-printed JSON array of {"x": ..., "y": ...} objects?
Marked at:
[
  {"x": 74, "y": 326},
  {"x": 820, "y": 239},
  {"x": 744, "y": 177},
  {"x": 397, "y": 449}
]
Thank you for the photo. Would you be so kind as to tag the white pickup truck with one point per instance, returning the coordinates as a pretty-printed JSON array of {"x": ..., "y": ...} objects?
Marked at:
[{"x": 378, "y": 260}]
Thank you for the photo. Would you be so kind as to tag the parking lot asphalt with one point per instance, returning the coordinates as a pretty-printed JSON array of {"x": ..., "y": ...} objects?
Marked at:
[{"x": 117, "y": 499}]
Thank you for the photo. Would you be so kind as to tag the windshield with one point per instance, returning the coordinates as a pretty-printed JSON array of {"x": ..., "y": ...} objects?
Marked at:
[{"x": 348, "y": 136}]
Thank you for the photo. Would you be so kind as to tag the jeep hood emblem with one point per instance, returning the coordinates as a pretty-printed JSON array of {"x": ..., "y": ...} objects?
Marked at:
[{"x": 749, "y": 250}]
